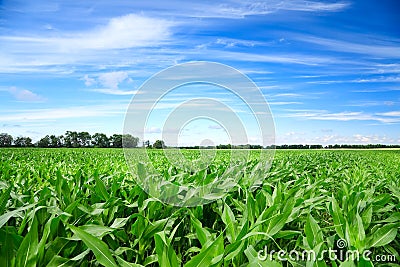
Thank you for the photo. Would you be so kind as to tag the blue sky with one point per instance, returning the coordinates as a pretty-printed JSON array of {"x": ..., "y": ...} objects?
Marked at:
[{"x": 330, "y": 70}]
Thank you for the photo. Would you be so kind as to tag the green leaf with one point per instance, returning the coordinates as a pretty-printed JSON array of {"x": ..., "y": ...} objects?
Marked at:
[
  {"x": 276, "y": 224},
  {"x": 251, "y": 208},
  {"x": 166, "y": 254},
  {"x": 202, "y": 234},
  {"x": 99, "y": 248},
  {"x": 124, "y": 263},
  {"x": 367, "y": 217},
  {"x": 208, "y": 253},
  {"x": 100, "y": 187},
  {"x": 58, "y": 261},
  {"x": 338, "y": 218},
  {"x": 27, "y": 252},
  {"x": 229, "y": 219},
  {"x": 383, "y": 235},
  {"x": 348, "y": 263},
  {"x": 256, "y": 261},
  {"x": 10, "y": 241},
  {"x": 153, "y": 228},
  {"x": 4, "y": 199},
  {"x": 232, "y": 250},
  {"x": 120, "y": 222},
  {"x": 313, "y": 232},
  {"x": 394, "y": 217},
  {"x": 6, "y": 216},
  {"x": 286, "y": 234},
  {"x": 359, "y": 233},
  {"x": 45, "y": 235},
  {"x": 96, "y": 230}
]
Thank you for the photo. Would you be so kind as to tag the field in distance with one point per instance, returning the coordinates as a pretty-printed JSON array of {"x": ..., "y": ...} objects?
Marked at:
[{"x": 82, "y": 207}]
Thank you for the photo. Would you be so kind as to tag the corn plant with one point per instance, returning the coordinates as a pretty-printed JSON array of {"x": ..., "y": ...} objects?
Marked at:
[{"x": 83, "y": 207}]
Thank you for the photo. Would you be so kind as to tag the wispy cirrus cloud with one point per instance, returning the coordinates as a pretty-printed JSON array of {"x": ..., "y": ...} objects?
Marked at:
[
  {"x": 25, "y": 95},
  {"x": 49, "y": 114},
  {"x": 288, "y": 58},
  {"x": 372, "y": 103},
  {"x": 110, "y": 82},
  {"x": 33, "y": 51},
  {"x": 89, "y": 81},
  {"x": 280, "y": 103},
  {"x": 390, "y": 114},
  {"x": 241, "y": 9},
  {"x": 353, "y": 139},
  {"x": 371, "y": 79},
  {"x": 126, "y": 31},
  {"x": 113, "y": 91},
  {"x": 389, "y": 49},
  {"x": 113, "y": 79},
  {"x": 382, "y": 79},
  {"x": 387, "y": 117}
]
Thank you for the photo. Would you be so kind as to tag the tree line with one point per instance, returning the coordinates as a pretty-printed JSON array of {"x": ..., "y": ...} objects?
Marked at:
[
  {"x": 72, "y": 139},
  {"x": 336, "y": 146}
]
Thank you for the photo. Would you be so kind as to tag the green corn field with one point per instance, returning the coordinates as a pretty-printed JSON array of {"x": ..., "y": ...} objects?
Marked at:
[{"x": 83, "y": 207}]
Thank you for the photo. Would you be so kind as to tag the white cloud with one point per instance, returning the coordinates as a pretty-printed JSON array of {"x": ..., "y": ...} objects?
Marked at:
[
  {"x": 113, "y": 79},
  {"x": 114, "y": 91},
  {"x": 388, "y": 117},
  {"x": 313, "y": 6},
  {"x": 25, "y": 95},
  {"x": 103, "y": 46},
  {"x": 215, "y": 127},
  {"x": 153, "y": 130},
  {"x": 240, "y": 9},
  {"x": 128, "y": 31},
  {"x": 357, "y": 139},
  {"x": 121, "y": 32},
  {"x": 228, "y": 42},
  {"x": 278, "y": 103},
  {"x": 385, "y": 68},
  {"x": 372, "y": 103},
  {"x": 390, "y": 113},
  {"x": 287, "y": 95},
  {"x": 381, "y": 79},
  {"x": 89, "y": 81},
  {"x": 331, "y": 139},
  {"x": 111, "y": 82},
  {"x": 289, "y": 58},
  {"x": 64, "y": 113},
  {"x": 386, "y": 79},
  {"x": 388, "y": 50}
]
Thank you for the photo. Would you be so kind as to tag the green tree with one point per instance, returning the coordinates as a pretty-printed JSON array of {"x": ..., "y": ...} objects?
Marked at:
[
  {"x": 23, "y": 142},
  {"x": 116, "y": 140},
  {"x": 146, "y": 143},
  {"x": 5, "y": 140},
  {"x": 100, "y": 140},
  {"x": 55, "y": 141},
  {"x": 28, "y": 142},
  {"x": 129, "y": 140},
  {"x": 71, "y": 139},
  {"x": 84, "y": 139},
  {"x": 159, "y": 144},
  {"x": 44, "y": 142}
]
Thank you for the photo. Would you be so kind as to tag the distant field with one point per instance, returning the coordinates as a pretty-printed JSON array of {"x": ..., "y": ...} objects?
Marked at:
[{"x": 82, "y": 207}]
